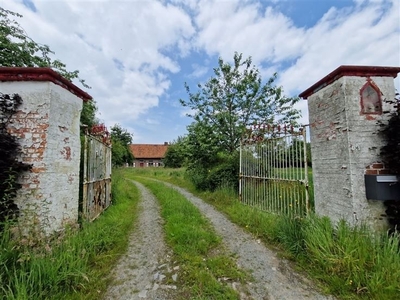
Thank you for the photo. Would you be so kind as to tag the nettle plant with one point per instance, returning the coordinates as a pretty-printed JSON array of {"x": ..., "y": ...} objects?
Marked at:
[
  {"x": 390, "y": 154},
  {"x": 10, "y": 167}
]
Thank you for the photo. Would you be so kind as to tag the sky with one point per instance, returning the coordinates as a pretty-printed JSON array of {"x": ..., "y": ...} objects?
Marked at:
[{"x": 137, "y": 55}]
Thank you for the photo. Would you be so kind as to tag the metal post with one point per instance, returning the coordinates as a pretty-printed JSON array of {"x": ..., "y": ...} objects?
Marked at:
[
  {"x": 305, "y": 169},
  {"x": 240, "y": 171},
  {"x": 85, "y": 179}
]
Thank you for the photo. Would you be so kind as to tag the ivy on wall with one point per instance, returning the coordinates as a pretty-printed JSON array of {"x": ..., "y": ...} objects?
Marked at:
[
  {"x": 390, "y": 154},
  {"x": 10, "y": 167}
]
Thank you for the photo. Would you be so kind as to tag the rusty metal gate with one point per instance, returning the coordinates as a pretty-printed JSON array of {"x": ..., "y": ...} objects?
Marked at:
[
  {"x": 273, "y": 170},
  {"x": 96, "y": 177}
]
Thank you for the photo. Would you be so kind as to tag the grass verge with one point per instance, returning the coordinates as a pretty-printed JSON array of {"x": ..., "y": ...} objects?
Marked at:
[
  {"x": 348, "y": 262},
  {"x": 74, "y": 265},
  {"x": 204, "y": 266}
]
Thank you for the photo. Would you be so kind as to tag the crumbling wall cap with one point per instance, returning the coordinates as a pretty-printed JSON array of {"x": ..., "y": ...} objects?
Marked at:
[
  {"x": 361, "y": 71},
  {"x": 41, "y": 74}
]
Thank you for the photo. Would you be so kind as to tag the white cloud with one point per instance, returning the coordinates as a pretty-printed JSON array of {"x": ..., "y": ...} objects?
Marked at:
[
  {"x": 152, "y": 121},
  {"x": 198, "y": 71},
  {"x": 91, "y": 35},
  {"x": 367, "y": 36},
  {"x": 127, "y": 50},
  {"x": 266, "y": 35}
]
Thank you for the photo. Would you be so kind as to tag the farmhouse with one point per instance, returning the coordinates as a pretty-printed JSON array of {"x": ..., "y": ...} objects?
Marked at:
[{"x": 148, "y": 155}]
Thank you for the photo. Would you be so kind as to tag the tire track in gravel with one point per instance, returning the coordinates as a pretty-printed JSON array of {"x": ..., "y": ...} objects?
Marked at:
[
  {"x": 141, "y": 271},
  {"x": 273, "y": 278}
]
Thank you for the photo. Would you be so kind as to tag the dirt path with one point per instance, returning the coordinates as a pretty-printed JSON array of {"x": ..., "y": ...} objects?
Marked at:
[
  {"x": 273, "y": 277},
  {"x": 141, "y": 272}
]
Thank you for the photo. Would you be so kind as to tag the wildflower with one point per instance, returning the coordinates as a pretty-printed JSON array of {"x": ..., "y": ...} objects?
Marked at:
[{"x": 350, "y": 282}]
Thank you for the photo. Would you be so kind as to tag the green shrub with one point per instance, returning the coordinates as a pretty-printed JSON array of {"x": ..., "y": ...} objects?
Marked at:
[
  {"x": 198, "y": 177},
  {"x": 224, "y": 173}
]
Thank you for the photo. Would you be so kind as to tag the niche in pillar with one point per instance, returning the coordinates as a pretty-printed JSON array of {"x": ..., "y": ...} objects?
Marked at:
[
  {"x": 371, "y": 102},
  {"x": 345, "y": 108}
]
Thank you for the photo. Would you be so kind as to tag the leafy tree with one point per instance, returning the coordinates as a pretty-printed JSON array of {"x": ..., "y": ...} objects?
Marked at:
[
  {"x": 121, "y": 134},
  {"x": 230, "y": 101},
  {"x": 88, "y": 113},
  {"x": 202, "y": 145},
  {"x": 236, "y": 97},
  {"x": 176, "y": 155},
  {"x": 207, "y": 166},
  {"x": 121, "y": 140}
]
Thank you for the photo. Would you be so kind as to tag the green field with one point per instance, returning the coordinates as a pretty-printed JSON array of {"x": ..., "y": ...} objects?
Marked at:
[{"x": 283, "y": 192}]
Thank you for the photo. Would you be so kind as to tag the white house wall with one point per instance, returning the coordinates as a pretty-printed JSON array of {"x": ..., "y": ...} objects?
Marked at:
[{"x": 47, "y": 125}]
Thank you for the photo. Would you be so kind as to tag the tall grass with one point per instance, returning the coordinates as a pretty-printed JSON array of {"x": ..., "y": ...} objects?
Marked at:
[
  {"x": 348, "y": 262},
  {"x": 74, "y": 264},
  {"x": 196, "y": 247},
  {"x": 352, "y": 260}
]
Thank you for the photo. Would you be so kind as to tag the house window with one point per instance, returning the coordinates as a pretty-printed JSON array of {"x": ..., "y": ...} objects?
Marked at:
[{"x": 370, "y": 98}]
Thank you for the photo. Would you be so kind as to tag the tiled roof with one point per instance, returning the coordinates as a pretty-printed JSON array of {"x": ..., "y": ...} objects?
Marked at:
[
  {"x": 41, "y": 74},
  {"x": 148, "y": 150}
]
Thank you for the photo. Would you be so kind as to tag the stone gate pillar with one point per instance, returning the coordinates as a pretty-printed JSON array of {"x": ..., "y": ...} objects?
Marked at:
[
  {"x": 47, "y": 127},
  {"x": 344, "y": 108}
]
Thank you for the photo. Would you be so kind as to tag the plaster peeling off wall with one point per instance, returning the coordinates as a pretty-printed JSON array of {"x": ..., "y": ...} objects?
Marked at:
[
  {"x": 365, "y": 144},
  {"x": 345, "y": 109},
  {"x": 329, "y": 135},
  {"x": 47, "y": 125}
]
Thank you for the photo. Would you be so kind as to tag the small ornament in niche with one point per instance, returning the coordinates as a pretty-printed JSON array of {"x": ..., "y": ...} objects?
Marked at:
[{"x": 370, "y": 99}]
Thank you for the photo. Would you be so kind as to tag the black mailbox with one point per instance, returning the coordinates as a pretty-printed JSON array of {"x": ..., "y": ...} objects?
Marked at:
[{"x": 382, "y": 187}]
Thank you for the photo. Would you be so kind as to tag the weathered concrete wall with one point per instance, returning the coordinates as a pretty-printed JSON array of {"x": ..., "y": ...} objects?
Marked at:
[
  {"x": 330, "y": 154},
  {"x": 345, "y": 144},
  {"x": 364, "y": 144},
  {"x": 47, "y": 125}
]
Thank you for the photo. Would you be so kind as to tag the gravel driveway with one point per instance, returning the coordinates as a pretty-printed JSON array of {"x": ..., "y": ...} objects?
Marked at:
[{"x": 141, "y": 272}]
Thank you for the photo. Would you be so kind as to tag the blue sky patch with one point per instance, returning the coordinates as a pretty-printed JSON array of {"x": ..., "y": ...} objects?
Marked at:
[{"x": 29, "y": 4}]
